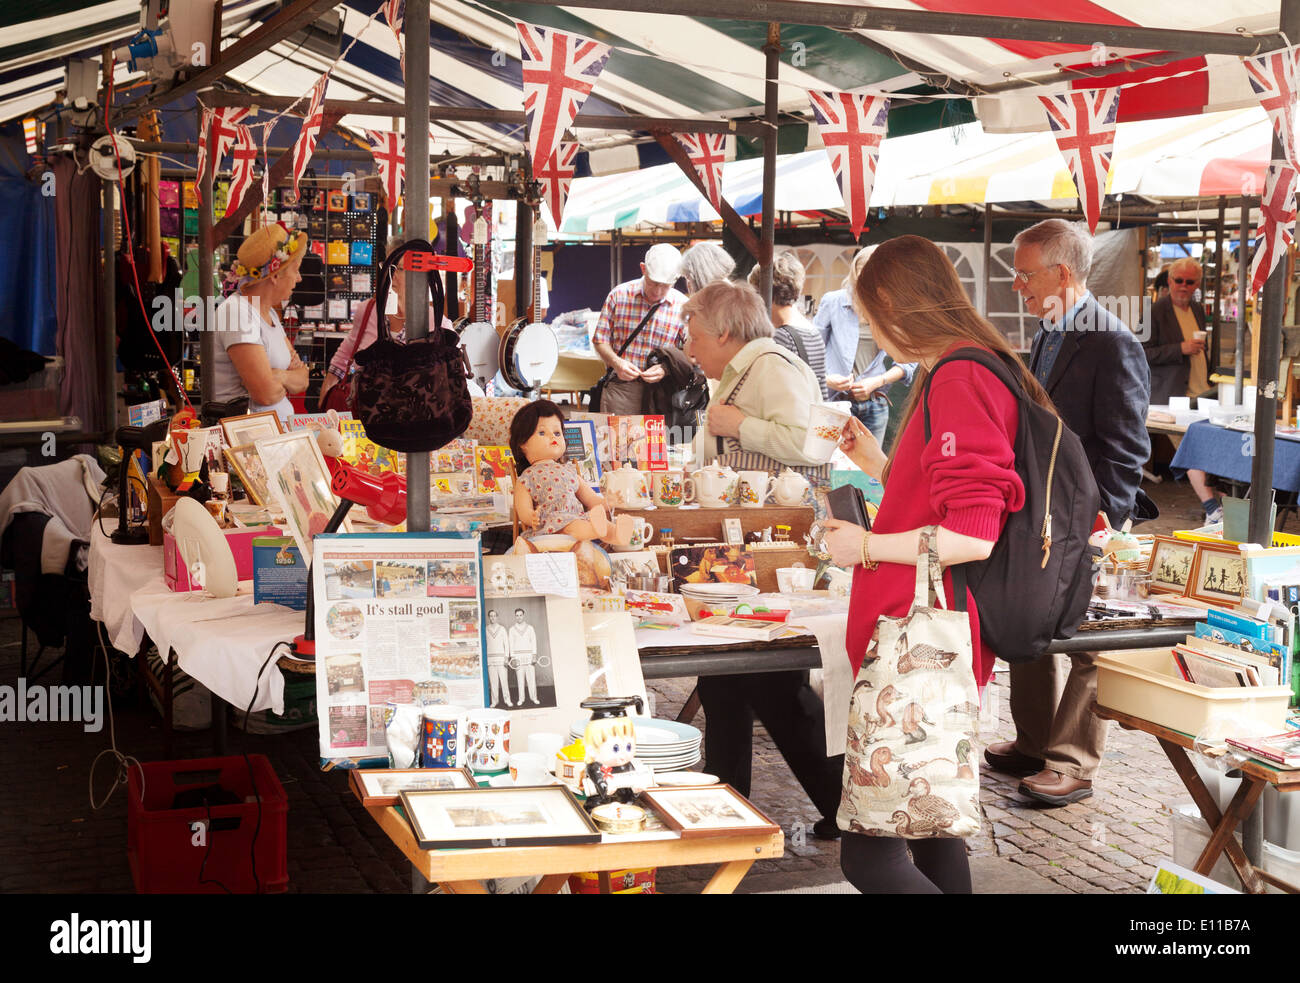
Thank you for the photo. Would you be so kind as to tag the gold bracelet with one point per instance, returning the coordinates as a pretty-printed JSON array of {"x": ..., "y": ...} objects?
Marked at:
[{"x": 867, "y": 563}]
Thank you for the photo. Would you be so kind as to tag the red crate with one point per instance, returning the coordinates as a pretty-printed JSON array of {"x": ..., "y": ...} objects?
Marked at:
[{"x": 162, "y": 842}]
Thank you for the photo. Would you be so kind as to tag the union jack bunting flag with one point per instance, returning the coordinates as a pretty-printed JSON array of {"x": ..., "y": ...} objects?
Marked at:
[
  {"x": 219, "y": 132},
  {"x": 556, "y": 175},
  {"x": 708, "y": 152},
  {"x": 1277, "y": 222},
  {"x": 1083, "y": 123},
  {"x": 389, "y": 151},
  {"x": 852, "y": 127},
  {"x": 241, "y": 171},
  {"x": 559, "y": 71},
  {"x": 393, "y": 11},
  {"x": 1273, "y": 77},
  {"x": 305, "y": 145}
]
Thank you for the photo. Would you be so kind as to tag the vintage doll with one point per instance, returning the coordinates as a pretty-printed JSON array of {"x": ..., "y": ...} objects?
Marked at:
[{"x": 550, "y": 496}]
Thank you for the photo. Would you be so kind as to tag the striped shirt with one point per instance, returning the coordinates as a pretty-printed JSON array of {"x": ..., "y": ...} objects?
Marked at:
[
  {"x": 814, "y": 349},
  {"x": 623, "y": 310}
]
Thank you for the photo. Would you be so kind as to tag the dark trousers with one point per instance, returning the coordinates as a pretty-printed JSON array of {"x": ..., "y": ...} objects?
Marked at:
[
  {"x": 790, "y": 711},
  {"x": 880, "y": 865}
]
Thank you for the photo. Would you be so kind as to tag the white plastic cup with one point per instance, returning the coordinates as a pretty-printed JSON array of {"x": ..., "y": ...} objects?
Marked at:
[{"x": 826, "y": 423}]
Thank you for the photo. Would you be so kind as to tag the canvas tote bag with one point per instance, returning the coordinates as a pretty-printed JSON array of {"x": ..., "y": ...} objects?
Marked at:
[{"x": 910, "y": 768}]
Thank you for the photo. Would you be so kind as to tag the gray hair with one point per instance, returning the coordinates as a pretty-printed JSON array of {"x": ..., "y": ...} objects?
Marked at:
[
  {"x": 731, "y": 308},
  {"x": 787, "y": 279},
  {"x": 705, "y": 262},
  {"x": 1061, "y": 242},
  {"x": 1185, "y": 262}
]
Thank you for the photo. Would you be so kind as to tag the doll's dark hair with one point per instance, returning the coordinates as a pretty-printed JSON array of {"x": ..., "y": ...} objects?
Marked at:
[{"x": 524, "y": 425}]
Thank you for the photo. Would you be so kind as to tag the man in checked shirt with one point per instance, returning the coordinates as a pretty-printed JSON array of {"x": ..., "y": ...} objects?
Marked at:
[{"x": 625, "y": 308}]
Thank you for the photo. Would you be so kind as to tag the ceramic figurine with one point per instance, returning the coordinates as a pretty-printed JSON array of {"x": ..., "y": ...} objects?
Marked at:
[{"x": 612, "y": 772}]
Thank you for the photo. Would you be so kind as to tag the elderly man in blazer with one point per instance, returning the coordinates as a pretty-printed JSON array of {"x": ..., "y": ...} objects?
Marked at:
[
  {"x": 1174, "y": 353},
  {"x": 1093, "y": 368}
]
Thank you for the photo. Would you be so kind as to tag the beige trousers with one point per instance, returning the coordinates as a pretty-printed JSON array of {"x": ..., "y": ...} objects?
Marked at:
[
  {"x": 622, "y": 398},
  {"x": 1051, "y": 700}
]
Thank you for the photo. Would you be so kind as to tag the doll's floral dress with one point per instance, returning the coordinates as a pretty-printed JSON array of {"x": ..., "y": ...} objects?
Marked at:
[{"x": 554, "y": 487}]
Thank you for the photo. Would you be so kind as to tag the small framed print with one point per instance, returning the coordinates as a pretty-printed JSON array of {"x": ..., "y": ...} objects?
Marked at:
[
  {"x": 250, "y": 427},
  {"x": 247, "y": 464},
  {"x": 732, "y": 533},
  {"x": 547, "y": 815},
  {"x": 1170, "y": 564},
  {"x": 707, "y": 810},
  {"x": 1218, "y": 574},
  {"x": 384, "y": 786}
]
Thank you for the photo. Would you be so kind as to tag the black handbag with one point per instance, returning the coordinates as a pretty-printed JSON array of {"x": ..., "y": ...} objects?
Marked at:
[
  {"x": 412, "y": 397},
  {"x": 595, "y": 392}
]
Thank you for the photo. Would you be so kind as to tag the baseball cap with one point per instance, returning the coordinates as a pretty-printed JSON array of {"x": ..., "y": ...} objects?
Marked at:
[{"x": 663, "y": 263}]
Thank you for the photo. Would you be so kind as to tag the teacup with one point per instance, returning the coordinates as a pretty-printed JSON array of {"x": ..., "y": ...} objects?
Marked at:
[
  {"x": 826, "y": 423},
  {"x": 754, "y": 489},
  {"x": 791, "y": 579},
  {"x": 672, "y": 488},
  {"x": 487, "y": 740},
  {"x": 632, "y": 531},
  {"x": 529, "y": 768}
]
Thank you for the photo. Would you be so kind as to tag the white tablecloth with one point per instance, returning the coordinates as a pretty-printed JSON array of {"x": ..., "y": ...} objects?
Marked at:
[{"x": 220, "y": 642}]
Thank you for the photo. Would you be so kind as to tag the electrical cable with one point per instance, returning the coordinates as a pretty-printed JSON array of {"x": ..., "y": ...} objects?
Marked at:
[
  {"x": 124, "y": 761},
  {"x": 257, "y": 829}
]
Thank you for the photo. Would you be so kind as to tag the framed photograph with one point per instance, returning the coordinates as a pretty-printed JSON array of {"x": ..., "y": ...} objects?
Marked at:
[
  {"x": 251, "y": 427},
  {"x": 1218, "y": 574},
  {"x": 247, "y": 465},
  {"x": 486, "y": 817},
  {"x": 384, "y": 786},
  {"x": 300, "y": 484},
  {"x": 613, "y": 662},
  {"x": 1170, "y": 565},
  {"x": 732, "y": 533},
  {"x": 707, "y": 810}
]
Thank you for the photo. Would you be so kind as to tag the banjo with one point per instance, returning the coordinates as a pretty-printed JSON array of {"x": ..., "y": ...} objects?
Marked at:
[
  {"x": 478, "y": 339},
  {"x": 529, "y": 351}
]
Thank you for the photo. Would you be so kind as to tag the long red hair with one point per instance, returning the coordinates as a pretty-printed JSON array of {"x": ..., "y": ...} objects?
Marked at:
[{"x": 915, "y": 302}]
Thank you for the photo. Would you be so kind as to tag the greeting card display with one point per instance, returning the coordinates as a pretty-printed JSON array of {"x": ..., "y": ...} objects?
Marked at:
[{"x": 398, "y": 623}]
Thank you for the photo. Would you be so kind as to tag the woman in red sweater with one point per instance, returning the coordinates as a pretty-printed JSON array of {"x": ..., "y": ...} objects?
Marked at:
[{"x": 963, "y": 481}]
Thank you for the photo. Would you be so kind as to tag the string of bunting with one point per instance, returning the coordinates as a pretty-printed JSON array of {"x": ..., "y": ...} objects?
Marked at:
[
  {"x": 559, "y": 71},
  {"x": 1083, "y": 123},
  {"x": 707, "y": 153}
]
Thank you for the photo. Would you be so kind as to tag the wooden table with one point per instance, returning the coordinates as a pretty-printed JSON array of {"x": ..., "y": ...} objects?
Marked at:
[
  {"x": 1254, "y": 776},
  {"x": 463, "y": 871}
]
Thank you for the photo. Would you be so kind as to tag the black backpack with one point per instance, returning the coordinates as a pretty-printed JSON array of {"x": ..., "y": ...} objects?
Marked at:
[{"x": 1035, "y": 586}]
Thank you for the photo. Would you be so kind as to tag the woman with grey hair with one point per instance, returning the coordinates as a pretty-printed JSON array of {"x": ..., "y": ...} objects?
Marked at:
[
  {"x": 794, "y": 332},
  {"x": 704, "y": 263},
  {"x": 756, "y": 420},
  {"x": 365, "y": 327}
]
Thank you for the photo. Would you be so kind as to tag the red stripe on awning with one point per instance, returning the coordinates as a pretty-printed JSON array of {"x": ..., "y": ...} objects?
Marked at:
[
  {"x": 1242, "y": 175},
  {"x": 1186, "y": 96},
  {"x": 1078, "y": 11}
]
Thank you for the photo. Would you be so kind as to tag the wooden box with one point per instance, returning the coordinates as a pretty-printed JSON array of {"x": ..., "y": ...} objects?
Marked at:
[{"x": 161, "y": 500}]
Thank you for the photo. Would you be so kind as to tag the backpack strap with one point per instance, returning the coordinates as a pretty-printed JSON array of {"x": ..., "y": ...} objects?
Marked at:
[{"x": 795, "y": 339}]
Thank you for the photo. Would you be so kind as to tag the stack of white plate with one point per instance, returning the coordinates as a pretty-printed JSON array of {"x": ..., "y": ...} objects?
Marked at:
[
  {"x": 716, "y": 597},
  {"x": 663, "y": 745}
]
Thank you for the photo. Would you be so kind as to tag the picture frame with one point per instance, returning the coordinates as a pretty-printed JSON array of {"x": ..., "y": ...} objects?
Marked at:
[
  {"x": 613, "y": 662},
  {"x": 247, "y": 465},
  {"x": 711, "y": 563},
  {"x": 694, "y": 811},
  {"x": 1170, "y": 564},
  {"x": 547, "y": 815},
  {"x": 250, "y": 427},
  {"x": 384, "y": 786},
  {"x": 1218, "y": 574},
  {"x": 300, "y": 484},
  {"x": 732, "y": 532}
]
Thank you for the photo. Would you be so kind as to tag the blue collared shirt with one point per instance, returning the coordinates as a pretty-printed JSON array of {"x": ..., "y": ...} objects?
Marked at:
[
  {"x": 840, "y": 329},
  {"x": 1054, "y": 338}
]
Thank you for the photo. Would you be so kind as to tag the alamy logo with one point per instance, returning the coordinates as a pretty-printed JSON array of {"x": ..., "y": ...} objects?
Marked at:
[
  {"x": 35, "y": 704},
  {"x": 102, "y": 937}
]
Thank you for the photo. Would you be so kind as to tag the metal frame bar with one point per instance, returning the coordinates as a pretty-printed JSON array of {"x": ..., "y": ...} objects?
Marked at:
[{"x": 415, "y": 220}]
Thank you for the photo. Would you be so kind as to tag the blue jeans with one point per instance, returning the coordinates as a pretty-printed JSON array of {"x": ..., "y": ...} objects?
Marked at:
[{"x": 874, "y": 414}]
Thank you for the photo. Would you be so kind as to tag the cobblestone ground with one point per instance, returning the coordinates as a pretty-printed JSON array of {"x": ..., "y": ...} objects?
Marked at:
[{"x": 51, "y": 840}]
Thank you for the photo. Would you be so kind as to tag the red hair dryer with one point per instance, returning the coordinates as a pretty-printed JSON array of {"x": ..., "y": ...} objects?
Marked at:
[{"x": 383, "y": 495}]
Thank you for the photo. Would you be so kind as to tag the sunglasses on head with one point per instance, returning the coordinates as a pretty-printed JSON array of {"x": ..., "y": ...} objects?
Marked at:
[{"x": 1191, "y": 282}]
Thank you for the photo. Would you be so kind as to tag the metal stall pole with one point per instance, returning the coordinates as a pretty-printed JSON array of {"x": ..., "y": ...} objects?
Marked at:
[
  {"x": 988, "y": 258},
  {"x": 207, "y": 339},
  {"x": 451, "y": 237},
  {"x": 416, "y": 224},
  {"x": 1216, "y": 351},
  {"x": 108, "y": 366},
  {"x": 773, "y": 52},
  {"x": 1272, "y": 310},
  {"x": 1243, "y": 276},
  {"x": 523, "y": 258}
]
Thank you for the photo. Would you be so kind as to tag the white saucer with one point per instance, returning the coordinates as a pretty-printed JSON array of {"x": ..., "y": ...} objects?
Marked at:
[{"x": 683, "y": 778}]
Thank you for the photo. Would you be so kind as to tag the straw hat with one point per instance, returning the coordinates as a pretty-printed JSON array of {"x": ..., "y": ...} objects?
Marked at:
[{"x": 266, "y": 251}]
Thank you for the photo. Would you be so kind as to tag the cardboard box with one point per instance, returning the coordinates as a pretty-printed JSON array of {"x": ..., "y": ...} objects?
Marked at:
[{"x": 241, "y": 545}]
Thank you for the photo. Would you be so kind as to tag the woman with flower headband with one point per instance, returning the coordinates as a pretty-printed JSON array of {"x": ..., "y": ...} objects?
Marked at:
[{"x": 253, "y": 356}]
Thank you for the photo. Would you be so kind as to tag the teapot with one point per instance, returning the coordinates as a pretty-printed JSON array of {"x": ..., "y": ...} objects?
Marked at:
[
  {"x": 626, "y": 486},
  {"x": 715, "y": 486},
  {"x": 790, "y": 487}
]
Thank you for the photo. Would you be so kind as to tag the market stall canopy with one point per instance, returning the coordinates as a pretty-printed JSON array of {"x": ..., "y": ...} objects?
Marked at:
[{"x": 670, "y": 65}]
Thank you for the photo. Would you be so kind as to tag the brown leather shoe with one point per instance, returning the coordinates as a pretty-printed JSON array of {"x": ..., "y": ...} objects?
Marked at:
[
  {"x": 1005, "y": 758},
  {"x": 1055, "y": 789}
]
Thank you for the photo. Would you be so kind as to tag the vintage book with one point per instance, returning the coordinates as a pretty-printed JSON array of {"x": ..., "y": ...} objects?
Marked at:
[
  {"x": 580, "y": 448},
  {"x": 1227, "y": 636},
  {"x": 1208, "y": 670},
  {"x": 494, "y": 467},
  {"x": 1270, "y": 663},
  {"x": 1284, "y": 749},
  {"x": 725, "y": 627},
  {"x": 639, "y": 439},
  {"x": 1241, "y": 623}
]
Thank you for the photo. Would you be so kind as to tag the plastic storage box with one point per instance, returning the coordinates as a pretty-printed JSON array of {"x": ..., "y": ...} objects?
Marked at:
[
  {"x": 167, "y": 848},
  {"x": 1145, "y": 683},
  {"x": 1190, "y": 835}
]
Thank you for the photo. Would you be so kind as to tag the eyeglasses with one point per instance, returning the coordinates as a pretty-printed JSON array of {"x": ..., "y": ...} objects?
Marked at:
[
  {"x": 1185, "y": 283},
  {"x": 1022, "y": 276}
]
